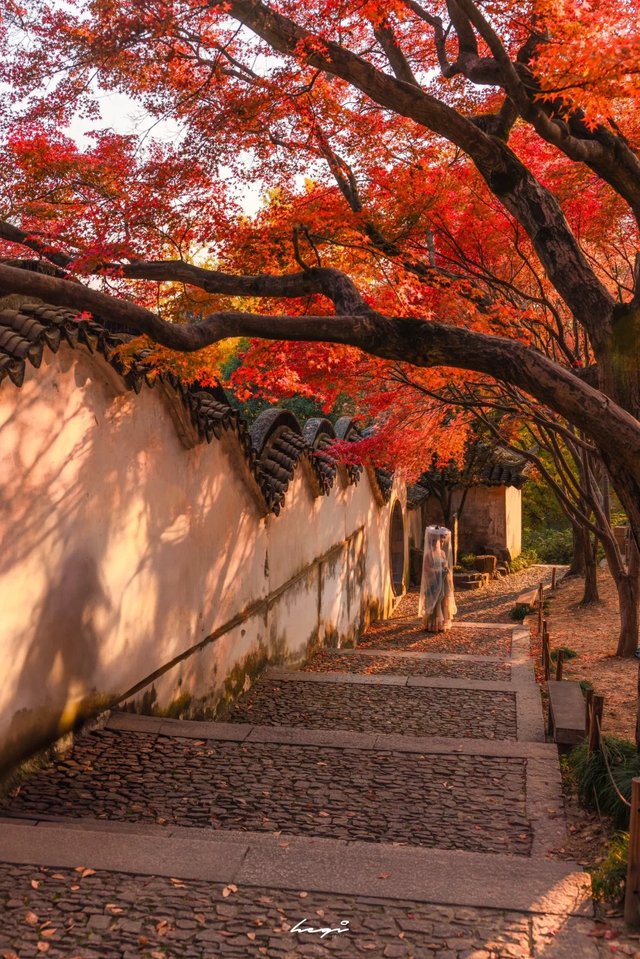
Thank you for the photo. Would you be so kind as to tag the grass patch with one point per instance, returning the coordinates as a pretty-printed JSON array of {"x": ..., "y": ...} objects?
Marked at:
[
  {"x": 592, "y": 781},
  {"x": 519, "y": 611},
  {"x": 608, "y": 878},
  {"x": 527, "y": 558},
  {"x": 568, "y": 653}
]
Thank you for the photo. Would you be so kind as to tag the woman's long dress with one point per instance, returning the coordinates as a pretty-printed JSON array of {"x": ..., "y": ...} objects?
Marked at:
[{"x": 437, "y": 605}]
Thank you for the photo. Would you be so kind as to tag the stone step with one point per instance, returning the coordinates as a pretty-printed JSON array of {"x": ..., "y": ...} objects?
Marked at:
[
  {"x": 381, "y": 870},
  {"x": 483, "y": 796},
  {"x": 467, "y": 638},
  {"x": 432, "y": 799},
  {"x": 279, "y": 674},
  {"x": 391, "y": 662},
  {"x": 328, "y": 738},
  {"x": 418, "y": 709}
]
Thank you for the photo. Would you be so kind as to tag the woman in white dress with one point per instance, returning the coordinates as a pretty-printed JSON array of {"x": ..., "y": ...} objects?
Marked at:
[{"x": 437, "y": 605}]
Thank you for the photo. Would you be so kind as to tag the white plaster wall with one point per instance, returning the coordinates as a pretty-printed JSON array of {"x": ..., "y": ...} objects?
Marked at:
[
  {"x": 492, "y": 516},
  {"x": 513, "y": 513},
  {"x": 122, "y": 550}
]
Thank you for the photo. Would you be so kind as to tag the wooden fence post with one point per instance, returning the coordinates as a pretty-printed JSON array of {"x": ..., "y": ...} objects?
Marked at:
[
  {"x": 546, "y": 656},
  {"x": 588, "y": 705},
  {"x": 540, "y": 609},
  {"x": 559, "y": 664},
  {"x": 631, "y": 911},
  {"x": 596, "y": 724},
  {"x": 553, "y": 579}
]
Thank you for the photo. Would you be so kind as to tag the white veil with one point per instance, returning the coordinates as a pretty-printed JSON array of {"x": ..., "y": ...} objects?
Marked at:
[{"x": 437, "y": 605}]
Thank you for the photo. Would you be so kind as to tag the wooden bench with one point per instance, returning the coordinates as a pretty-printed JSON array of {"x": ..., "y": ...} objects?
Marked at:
[
  {"x": 528, "y": 599},
  {"x": 567, "y": 713}
]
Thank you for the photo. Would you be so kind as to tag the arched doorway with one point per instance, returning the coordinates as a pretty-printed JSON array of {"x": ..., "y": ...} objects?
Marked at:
[{"x": 396, "y": 548}]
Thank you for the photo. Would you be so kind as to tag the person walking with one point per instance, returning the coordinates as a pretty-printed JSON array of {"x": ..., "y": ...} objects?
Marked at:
[{"x": 437, "y": 605}]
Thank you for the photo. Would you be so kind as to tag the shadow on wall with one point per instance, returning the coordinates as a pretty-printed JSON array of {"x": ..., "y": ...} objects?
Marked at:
[
  {"x": 88, "y": 491},
  {"x": 64, "y": 648}
]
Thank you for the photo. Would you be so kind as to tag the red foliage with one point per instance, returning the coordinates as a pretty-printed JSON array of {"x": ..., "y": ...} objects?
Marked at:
[{"x": 423, "y": 237}]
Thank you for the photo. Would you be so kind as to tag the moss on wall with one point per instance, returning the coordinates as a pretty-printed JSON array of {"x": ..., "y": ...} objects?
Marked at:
[{"x": 33, "y": 731}]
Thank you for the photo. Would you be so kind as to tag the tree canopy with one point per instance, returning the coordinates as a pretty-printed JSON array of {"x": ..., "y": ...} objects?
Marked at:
[{"x": 451, "y": 197}]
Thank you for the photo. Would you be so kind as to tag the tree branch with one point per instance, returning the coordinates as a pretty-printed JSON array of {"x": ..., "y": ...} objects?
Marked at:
[
  {"x": 407, "y": 339},
  {"x": 509, "y": 180}
]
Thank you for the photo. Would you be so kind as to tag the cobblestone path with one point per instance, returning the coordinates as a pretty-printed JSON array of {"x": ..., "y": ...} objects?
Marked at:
[
  {"x": 408, "y": 634},
  {"x": 386, "y": 709},
  {"x": 399, "y": 799},
  {"x": 330, "y": 660}
]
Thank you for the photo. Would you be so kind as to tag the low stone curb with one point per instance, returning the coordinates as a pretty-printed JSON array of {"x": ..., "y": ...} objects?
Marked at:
[{"x": 323, "y": 865}]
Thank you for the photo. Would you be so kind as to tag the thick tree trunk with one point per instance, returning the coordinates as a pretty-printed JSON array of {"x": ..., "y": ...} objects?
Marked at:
[
  {"x": 590, "y": 594},
  {"x": 577, "y": 566},
  {"x": 629, "y": 598}
]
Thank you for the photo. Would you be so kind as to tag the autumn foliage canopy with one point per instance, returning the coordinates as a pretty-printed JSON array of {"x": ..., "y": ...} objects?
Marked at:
[{"x": 468, "y": 167}]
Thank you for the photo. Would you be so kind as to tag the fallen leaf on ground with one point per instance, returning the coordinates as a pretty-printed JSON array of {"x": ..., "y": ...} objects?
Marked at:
[{"x": 31, "y": 919}]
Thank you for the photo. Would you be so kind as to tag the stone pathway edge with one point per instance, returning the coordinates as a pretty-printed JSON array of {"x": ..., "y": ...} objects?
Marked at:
[{"x": 323, "y": 865}]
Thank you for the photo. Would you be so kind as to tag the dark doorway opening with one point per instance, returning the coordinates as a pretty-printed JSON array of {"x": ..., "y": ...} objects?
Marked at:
[{"x": 396, "y": 548}]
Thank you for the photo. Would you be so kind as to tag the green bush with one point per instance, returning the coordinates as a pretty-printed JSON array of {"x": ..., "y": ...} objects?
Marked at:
[
  {"x": 568, "y": 653},
  {"x": 550, "y": 545},
  {"x": 527, "y": 558},
  {"x": 519, "y": 611},
  {"x": 468, "y": 561},
  {"x": 593, "y": 783},
  {"x": 608, "y": 877}
]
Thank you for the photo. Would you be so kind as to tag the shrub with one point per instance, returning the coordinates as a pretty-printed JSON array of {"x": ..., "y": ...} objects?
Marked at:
[
  {"x": 519, "y": 611},
  {"x": 528, "y": 557},
  {"x": 468, "y": 561},
  {"x": 568, "y": 653},
  {"x": 609, "y": 876},
  {"x": 551, "y": 545},
  {"x": 592, "y": 780}
]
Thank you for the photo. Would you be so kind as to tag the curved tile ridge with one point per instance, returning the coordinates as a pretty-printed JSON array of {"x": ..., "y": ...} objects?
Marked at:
[
  {"x": 320, "y": 435},
  {"x": 347, "y": 430},
  {"x": 272, "y": 447},
  {"x": 381, "y": 479},
  {"x": 26, "y": 330},
  {"x": 280, "y": 444}
]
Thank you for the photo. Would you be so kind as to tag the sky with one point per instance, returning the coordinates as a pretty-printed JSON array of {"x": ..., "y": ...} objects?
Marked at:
[{"x": 123, "y": 115}]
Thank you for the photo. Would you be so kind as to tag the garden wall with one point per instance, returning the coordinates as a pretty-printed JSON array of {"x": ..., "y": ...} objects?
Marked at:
[{"x": 144, "y": 565}]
